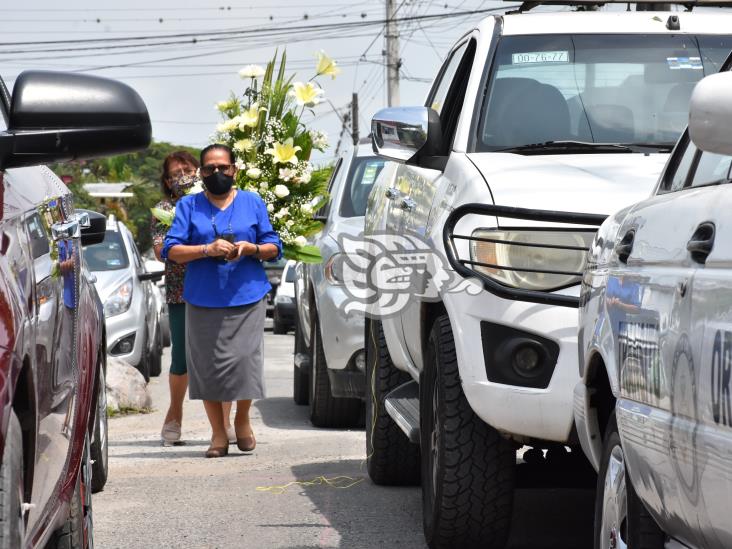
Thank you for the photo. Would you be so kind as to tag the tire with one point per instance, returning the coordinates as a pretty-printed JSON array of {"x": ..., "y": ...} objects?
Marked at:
[
  {"x": 78, "y": 531},
  {"x": 278, "y": 326},
  {"x": 391, "y": 459},
  {"x": 99, "y": 449},
  {"x": 11, "y": 482},
  {"x": 468, "y": 468},
  {"x": 639, "y": 530},
  {"x": 300, "y": 376},
  {"x": 144, "y": 365},
  {"x": 325, "y": 410},
  {"x": 156, "y": 359}
]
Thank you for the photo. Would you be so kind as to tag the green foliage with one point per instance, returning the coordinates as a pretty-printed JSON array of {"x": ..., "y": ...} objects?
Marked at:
[{"x": 142, "y": 169}]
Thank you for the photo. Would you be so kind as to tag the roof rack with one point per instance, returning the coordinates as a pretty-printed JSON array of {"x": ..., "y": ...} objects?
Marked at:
[{"x": 641, "y": 5}]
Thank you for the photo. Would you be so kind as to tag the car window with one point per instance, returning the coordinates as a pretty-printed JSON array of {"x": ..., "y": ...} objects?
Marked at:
[
  {"x": 325, "y": 210},
  {"x": 677, "y": 176},
  {"x": 109, "y": 255},
  {"x": 361, "y": 178},
  {"x": 38, "y": 237},
  {"x": 442, "y": 87},
  {"x": 599, "y": 89},
  {"x": 290, "y": 275},
  {"x": 711, "y": 169}
]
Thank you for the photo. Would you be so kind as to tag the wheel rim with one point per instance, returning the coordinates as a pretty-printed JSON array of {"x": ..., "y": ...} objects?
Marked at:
[
  {"x": 102, "y": 415},
  {"x": 435, "y": 444},
  {"x": 86, "y": 499},
  {"x": 613, "y": 534}
]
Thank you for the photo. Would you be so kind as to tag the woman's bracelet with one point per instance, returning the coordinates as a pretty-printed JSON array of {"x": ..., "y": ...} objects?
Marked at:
[
  {"x": 204, "y": 249},
  {"x": 256, "y": 252}
]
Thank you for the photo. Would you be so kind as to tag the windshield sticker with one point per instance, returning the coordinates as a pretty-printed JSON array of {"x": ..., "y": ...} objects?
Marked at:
[
  {"x": 114, "y": 262},
  {"x": 369, "y": 175},
  {"x": 540, "y": 57},
  {"x": 677, "y": 63}
]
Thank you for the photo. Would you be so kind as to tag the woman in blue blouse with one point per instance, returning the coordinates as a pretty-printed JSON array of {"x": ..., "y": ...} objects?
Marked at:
[{"x": 223, "y": 235}]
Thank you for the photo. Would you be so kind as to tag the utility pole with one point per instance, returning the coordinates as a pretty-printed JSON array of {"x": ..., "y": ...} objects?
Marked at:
[
  {"x": 393, "y": 63},
  {"x": 354, "y": 119}
]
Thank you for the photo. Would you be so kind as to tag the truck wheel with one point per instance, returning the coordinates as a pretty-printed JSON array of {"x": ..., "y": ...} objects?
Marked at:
[
  {"x": 11, "y": 483},
  {"x": 78, "y": 531},
  {"x": 390, "y": 458},
  {"x": 325, "y": 409},
  {"x": 100, "y": 445},
  {"x": 301, "y": 379},
  {"x": 468, "y": 469},
  {"x": 621, "y": 519}
]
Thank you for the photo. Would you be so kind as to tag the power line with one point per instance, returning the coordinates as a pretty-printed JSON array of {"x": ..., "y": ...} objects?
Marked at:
[{"x": 195, "y": 37}]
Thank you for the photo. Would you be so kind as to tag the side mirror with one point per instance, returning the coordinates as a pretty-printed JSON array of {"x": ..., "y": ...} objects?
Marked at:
[
  {"x": 157, "y": 275},
  {"x": 94, "y": 231},
  {"x": 56, "y": 117},
  {"x": 412, "y": 135},
  {"x": 710, "y": 114}
]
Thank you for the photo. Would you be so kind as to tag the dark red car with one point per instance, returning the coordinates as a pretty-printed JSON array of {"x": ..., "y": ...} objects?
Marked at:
[{"x": 52, "y": 359}]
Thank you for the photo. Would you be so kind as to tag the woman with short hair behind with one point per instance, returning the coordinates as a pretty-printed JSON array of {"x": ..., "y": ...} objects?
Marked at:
[
  {"x": 222, "y": 236},
  {"x": 179, "y": 174}
]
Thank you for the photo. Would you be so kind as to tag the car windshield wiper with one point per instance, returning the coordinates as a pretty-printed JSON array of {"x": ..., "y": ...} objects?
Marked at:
[
  {"x": 656, "y": 147},
  {"x": 549, "y": 147}
]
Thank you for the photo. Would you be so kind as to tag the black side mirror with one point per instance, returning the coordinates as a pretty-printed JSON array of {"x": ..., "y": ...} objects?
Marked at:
[
  {"x": 154, "y": 276},
  {"x": 95, "y": 231},
  {"x": 56, "y": 117}
]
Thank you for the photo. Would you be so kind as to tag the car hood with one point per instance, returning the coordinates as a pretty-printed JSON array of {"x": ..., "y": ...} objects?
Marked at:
[
  {"x": 589, "y": 183},
  {"x": 108, "y": 281}
]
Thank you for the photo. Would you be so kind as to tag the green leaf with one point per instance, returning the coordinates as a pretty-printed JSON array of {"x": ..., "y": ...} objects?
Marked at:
[{"x": 164, "y": 216}]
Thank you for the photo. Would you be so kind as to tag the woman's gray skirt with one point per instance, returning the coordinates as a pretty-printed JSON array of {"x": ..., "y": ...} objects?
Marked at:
[{"x": 224, "y": 352}]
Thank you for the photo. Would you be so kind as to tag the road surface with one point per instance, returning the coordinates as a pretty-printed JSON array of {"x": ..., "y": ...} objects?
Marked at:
[{"x": 166, "y": 497}]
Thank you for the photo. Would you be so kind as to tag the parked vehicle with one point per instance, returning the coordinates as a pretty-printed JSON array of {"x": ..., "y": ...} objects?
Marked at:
[
  {"x": 329, "y": 353},
  {"x": 653, "y": 408},
  {"x": 152, "y": 265},
  {"x": 283, "y": 319},
  {"x": 561, "y": 111},
  {"x": 274, "y": 275},
  {"x": 53, "y": 416},
  {"x": 127, "y": 290}
]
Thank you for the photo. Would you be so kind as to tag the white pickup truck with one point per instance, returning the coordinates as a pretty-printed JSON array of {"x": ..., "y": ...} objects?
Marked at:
[{"x": 567, "y": 111}]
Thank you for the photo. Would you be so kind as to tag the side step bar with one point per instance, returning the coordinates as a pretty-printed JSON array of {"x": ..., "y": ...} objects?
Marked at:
[{"x": 402, "y": 405}]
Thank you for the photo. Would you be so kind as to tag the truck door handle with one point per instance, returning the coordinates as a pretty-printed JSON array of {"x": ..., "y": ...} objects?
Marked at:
[
  {"x": 408, "y": 204},
  {"x": 701, "y": 243},
  {"x": 391, "y": 193},
  {"x": 625, "y": 246}
]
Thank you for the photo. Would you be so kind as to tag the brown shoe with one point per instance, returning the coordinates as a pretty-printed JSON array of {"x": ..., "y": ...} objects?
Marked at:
[
  {"x": 217, "y": 452},
  {"x": 246, "y": 444}
]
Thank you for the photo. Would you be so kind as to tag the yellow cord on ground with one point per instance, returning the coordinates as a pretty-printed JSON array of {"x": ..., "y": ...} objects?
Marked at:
[{"x": 340, "y": 482}]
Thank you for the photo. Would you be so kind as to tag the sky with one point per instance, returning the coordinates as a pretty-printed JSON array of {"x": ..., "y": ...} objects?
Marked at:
[{"x": 181, "y": 77}]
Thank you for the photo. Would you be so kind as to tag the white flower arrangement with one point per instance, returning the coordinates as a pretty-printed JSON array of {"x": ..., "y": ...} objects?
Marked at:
[{"x": 264, "y": 128}]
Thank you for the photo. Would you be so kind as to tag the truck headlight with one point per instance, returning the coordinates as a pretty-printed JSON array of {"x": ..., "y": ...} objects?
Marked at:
[
  {"x": 531, "y": 259},
  {"x": 119, "y": 301}
]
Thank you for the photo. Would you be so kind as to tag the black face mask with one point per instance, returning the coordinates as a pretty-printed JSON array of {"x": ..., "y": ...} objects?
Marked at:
[{"x": 218, "y": 183}]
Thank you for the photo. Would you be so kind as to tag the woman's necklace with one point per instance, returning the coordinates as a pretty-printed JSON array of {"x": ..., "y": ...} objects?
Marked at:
[{"x": 229, "y": 234}]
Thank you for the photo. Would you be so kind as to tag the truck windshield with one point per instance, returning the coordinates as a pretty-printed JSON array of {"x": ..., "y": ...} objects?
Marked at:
[{"x": 580, "y": 90}]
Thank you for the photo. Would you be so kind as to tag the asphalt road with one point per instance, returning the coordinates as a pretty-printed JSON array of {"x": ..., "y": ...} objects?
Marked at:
[{"x": 165, "y": 497}]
